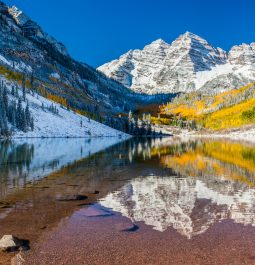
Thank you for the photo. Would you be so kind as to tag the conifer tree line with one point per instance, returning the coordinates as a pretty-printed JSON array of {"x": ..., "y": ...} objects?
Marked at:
[
  {"x": 140, "y": 127},
  {"x": 12, "y": 113},
  {"x": 50, "y": 108},
  {"x": 133, "y": 125}
]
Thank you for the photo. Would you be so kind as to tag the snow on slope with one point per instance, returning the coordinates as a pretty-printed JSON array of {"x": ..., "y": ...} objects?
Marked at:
[
  {"x": 65, "y": 124},
  {"x": 4, "y": 60},
  {"x": 203, "y": 77}
]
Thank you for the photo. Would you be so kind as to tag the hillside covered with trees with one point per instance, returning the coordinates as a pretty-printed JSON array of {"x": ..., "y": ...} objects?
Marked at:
[{"x": 226, "y": 110}]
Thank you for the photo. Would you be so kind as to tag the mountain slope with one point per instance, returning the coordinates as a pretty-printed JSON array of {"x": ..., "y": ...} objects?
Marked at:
[
  {"x": 188, "y": 64},
  {"x": 34, "y": 61},
  {"x": 25, "y": 48},
  {"x": 40, "y": 67},
  {"x": 52, "y": 119},
  {"x": 226, "y": 110}
]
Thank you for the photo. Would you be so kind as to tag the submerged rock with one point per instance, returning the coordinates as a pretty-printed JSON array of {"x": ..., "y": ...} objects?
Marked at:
[
  {"x": 134, "y": 228},
  {"x": 10, "y": 243},
  {"x": 5, "y": 205},
  {"x": 72, "y": 198},
  {"x": 96, "y": 212}
]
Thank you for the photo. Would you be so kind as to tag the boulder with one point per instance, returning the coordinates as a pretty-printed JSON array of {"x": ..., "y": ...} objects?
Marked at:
[{"x": 10, "y": 243}]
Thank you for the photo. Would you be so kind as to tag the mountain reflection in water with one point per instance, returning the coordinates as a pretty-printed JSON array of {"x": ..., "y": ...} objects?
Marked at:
[
  {"x": 188, "y": 185},
  {"x": 211, "y": 181}
]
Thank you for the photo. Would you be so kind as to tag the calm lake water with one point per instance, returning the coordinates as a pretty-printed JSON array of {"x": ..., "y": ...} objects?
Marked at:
[{"x": 150, "y": 201}]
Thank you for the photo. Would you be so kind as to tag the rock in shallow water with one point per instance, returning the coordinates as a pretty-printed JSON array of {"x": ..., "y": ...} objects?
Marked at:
[
  {"x": 72, "y": 198},
  {"x": 134, "y": 228},
  {"x": 96, "y": 212}
]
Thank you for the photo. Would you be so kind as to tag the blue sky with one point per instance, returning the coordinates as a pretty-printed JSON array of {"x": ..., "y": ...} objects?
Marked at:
[{"x": 97, "y": 31}]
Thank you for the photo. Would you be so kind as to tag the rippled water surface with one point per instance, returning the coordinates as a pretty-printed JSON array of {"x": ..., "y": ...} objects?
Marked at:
[{"x": 168, "y": 198}]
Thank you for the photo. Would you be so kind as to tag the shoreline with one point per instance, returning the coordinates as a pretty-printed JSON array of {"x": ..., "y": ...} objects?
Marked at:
[
  {"x": 237, "y": 135},
  {"x": 124, "y": 137},
  {"x": 246, "y": 133}
]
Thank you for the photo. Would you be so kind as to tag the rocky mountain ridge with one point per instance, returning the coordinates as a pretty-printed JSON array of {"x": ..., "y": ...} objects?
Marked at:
[{"x": 187, "y": 64}]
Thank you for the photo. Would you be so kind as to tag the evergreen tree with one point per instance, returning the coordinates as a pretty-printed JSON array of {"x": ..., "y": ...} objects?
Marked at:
[
  {"x": 24, "y": 88},
  {"x": 13, "y": 91},
  {"x": 19, "y": 115},
  {"x": 27, "y": 118}
]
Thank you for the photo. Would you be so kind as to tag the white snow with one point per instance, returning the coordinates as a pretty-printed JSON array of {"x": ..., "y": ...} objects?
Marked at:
[
  {"x": 55, "y": 75},
  {"x": 242, "y": 134},
  {"x": 185, "y": 65},
  {"x": 65, "y": 124},
  {"x": 21, "y": 66},
  {"x": 204, "y": 76},
  {"x": 4, "y": 60}
]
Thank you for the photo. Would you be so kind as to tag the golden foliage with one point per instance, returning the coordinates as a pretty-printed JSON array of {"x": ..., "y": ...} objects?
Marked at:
[{"x": 217, "y": 112}]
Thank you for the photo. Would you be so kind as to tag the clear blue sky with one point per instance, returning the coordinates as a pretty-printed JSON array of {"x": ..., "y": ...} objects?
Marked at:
[{"x": 97, "y": 31}]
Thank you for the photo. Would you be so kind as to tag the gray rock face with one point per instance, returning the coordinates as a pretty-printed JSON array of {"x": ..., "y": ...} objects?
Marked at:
[
  {"x": 242, "y": 55},
  {"x": 189, "y": 63},
  {"x": 32, "y": 29}
]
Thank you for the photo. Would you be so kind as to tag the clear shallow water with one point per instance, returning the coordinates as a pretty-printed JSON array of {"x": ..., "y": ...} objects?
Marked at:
[{"x": 189, "y": 190}]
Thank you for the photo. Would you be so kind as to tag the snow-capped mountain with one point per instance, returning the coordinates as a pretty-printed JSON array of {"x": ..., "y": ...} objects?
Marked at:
[
  {"x": 189, "y": 63},
  {"x": 31, "y": 28}
]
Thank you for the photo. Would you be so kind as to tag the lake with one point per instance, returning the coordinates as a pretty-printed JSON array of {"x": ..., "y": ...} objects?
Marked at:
[{"x": 141, "y": 201}]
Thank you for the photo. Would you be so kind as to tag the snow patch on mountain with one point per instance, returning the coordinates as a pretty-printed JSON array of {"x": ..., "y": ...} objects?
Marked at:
[
  {"x": 4, "y": 60},
  {"x": 55, "y": 75},
  {"x": 203, "y": 77}
]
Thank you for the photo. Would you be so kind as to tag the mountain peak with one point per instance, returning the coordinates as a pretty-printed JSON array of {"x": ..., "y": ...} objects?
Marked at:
[
  {"x": 157, "y": 44},
  {"x": 190, "y": 34},
  {"x": 187, "y": 64},
  {"x": 166, "y": 67},
  {"x": 159, "y": 41},
  {"x": 31, "y": 29},
  {"x": 18, "y": 15},
  {"x": 189, "y": 37}
]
